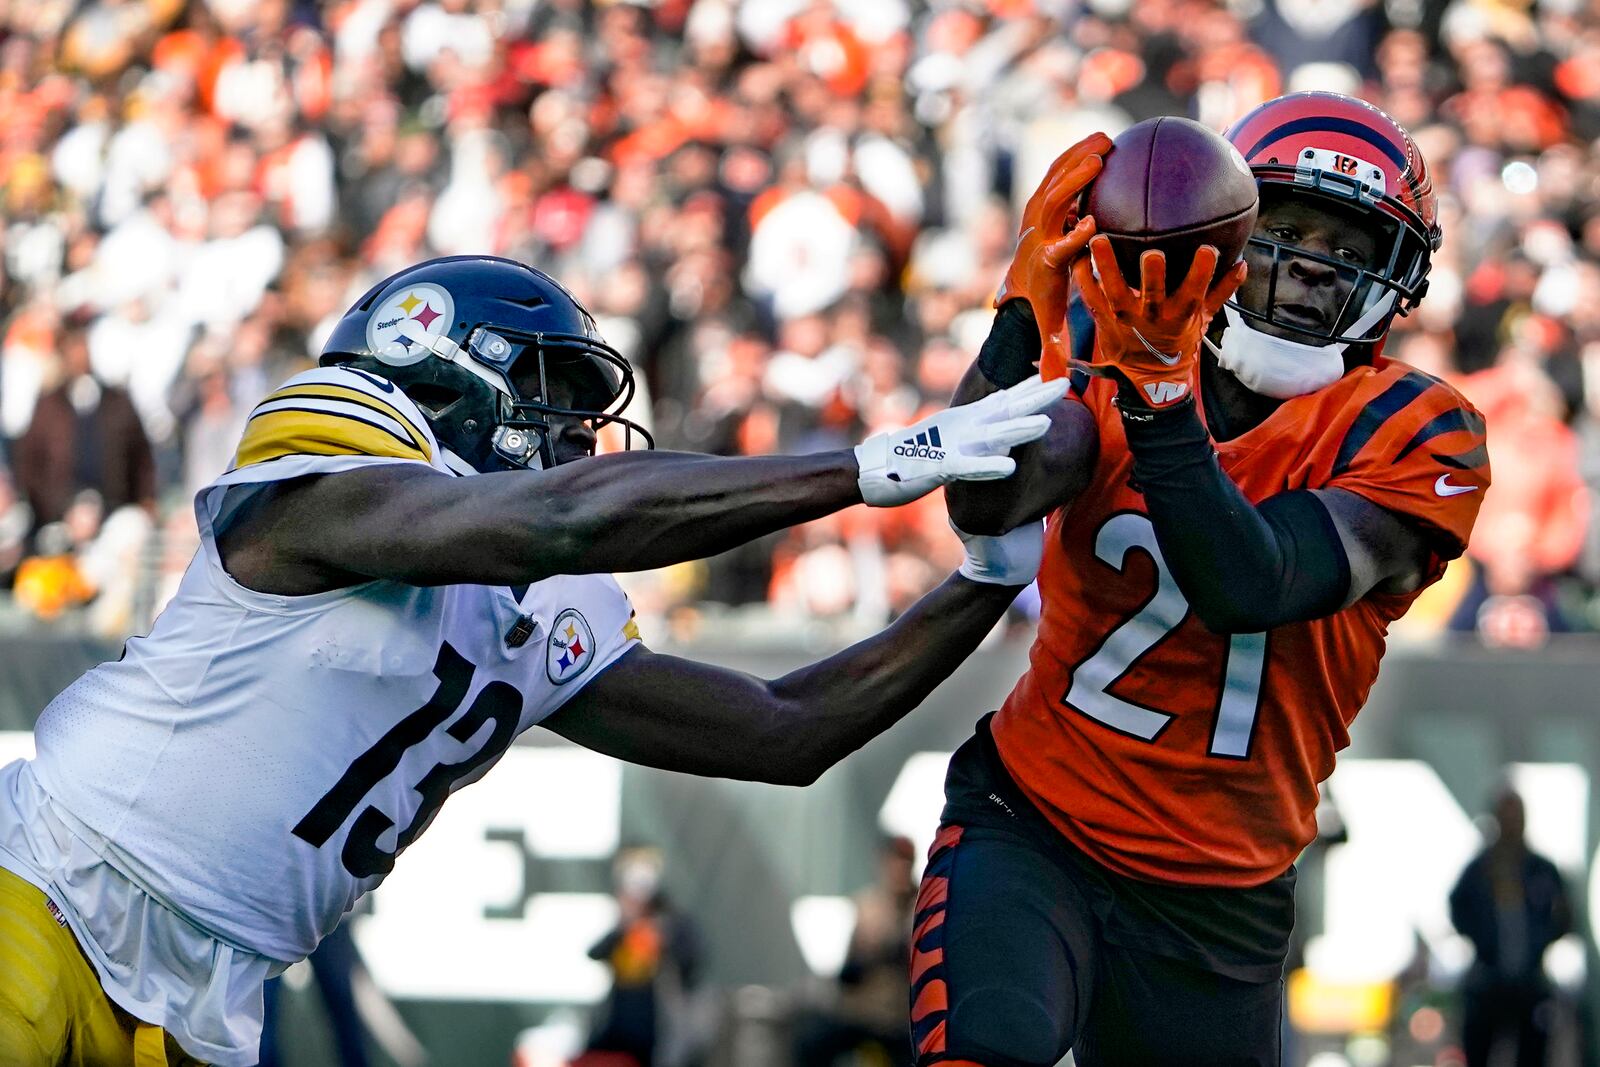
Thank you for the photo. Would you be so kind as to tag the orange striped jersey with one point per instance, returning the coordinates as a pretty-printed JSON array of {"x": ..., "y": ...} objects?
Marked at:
[{"x": 1174, "y": 754}]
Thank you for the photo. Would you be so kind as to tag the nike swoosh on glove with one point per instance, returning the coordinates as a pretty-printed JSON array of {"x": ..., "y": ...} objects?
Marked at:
[
  {"x": 967, "y": 443},
  {"x": 1145, "y": 339}
]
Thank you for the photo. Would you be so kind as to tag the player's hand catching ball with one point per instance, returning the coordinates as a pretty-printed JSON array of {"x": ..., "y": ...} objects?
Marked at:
[
  {"x": 1011, "y": 558},
  {"x": 1146, "y": 340},
  {"x": 1038, "y": 270},
  {"x": 962, "y": 443}
]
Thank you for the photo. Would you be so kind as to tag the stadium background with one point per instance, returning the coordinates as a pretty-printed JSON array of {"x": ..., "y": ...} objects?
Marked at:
[{"x": 790, "y": 215}]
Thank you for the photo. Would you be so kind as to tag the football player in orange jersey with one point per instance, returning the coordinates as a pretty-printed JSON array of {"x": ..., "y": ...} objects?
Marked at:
[{"x": 1115, "y": 869}]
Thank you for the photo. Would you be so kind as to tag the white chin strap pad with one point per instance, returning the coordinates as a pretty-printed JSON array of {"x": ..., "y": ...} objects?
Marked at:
[
  {"x": 1373, "y": 314},
  {"x": 1282, "y": 368},
  {"x": 1275, "y": 366}
]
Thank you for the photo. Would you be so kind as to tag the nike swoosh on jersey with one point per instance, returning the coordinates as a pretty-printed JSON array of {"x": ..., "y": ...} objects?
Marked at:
[
  {"x": 382, "y": 383},
  {"x": 1444, "y": 487}
]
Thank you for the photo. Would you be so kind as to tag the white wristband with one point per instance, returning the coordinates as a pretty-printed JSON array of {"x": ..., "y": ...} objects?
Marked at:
[
  {"x": 1012, "y": 558},
  {"x": 882, "y": 487}
]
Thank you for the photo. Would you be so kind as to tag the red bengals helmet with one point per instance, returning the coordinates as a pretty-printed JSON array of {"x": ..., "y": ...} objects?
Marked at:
[{"x": 1333, "y": 147}]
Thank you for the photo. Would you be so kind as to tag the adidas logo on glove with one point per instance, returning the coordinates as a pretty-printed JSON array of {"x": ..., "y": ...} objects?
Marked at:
[
  {"x": 969, "y": 442},
  {"x": 923, "y": 446}
]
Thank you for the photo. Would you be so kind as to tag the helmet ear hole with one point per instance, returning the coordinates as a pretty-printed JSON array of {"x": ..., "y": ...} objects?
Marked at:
[{"x": 432, "y": 398}]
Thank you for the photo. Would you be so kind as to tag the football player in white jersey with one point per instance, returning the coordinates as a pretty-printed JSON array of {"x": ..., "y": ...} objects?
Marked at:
[{"x": 402, "y": 571}]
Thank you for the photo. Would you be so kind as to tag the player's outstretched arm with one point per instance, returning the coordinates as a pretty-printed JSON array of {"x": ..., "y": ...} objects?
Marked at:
[
  {"x": 673, "y": 713},
  {"x": 1246, "y": 567},
  {"x": 622, "y": 512}
]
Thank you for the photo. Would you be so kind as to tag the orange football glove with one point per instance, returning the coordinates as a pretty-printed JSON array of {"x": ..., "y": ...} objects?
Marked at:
[
  {"x": 1146, "y": 340},
  {"x": 1035, "y": 274}
]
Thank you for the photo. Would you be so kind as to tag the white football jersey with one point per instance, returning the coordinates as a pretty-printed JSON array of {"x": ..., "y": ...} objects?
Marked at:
[{"x": 257, "y": 762}]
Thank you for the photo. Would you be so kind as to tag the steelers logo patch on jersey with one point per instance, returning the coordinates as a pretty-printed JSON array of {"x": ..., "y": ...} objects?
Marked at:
[
  {"x": 571, "y": 647},
  {"x": 400, "y": 328}
]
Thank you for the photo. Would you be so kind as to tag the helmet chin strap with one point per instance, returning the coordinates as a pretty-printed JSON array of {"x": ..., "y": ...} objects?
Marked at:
[
  {"x": 446, "y": 349},
  {"x": 1282, "y": 368},
  {"x": 456, "y": 464},
  {"x": 515, "y": 446}
]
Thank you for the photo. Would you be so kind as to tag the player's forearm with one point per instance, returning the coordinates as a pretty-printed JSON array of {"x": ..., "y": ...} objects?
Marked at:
[
  {"x": 694, "y": 718},
  {"x": 1051, "y": 471},
  {"x": 1243, "y": 568},
  {"x": 640, "y": 510},
  {"x": 1008, "y": 356},
  {"x": 833, "y": 707},
  {"x": 977, "y": 507}
]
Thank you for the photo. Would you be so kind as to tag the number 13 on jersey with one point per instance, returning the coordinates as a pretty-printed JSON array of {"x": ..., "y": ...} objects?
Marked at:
[{"x": 1090, "y": 691}]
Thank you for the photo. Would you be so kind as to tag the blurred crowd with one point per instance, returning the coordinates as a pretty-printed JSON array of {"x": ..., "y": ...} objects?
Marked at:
[{"x": 791, "y": 215}]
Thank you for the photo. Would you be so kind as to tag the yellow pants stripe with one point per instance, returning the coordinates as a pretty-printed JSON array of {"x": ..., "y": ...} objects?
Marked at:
[
  {"x": 149, "y": 1046},
  {"x": 53, "y": 1012}
]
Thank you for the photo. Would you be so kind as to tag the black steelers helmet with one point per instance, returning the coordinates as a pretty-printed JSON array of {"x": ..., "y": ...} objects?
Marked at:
[{"x": 457, "y": 334}]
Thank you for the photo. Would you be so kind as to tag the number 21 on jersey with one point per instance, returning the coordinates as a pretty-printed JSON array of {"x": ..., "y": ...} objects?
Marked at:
[{"x": 1090, "y": 692}]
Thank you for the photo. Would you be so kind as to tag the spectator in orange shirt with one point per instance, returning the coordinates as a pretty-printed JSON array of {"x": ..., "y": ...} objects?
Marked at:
[{"x": 1532, "y": 524}]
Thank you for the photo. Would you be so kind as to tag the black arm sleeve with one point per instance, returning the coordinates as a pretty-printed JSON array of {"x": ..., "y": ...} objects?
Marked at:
[
  {"x": 1243, "y": 568},
  {"x": 1010, "y": 354}
]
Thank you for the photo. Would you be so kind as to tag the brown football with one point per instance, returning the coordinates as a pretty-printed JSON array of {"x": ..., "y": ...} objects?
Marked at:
[{"x": 1171, "y": 184}]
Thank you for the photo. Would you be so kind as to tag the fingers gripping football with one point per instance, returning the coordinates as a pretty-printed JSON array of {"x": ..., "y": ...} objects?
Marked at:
[
  {"x": 961, "y": 443},
  {"x": 1052, "y": 209},
  {"x": 1144, "y": 337},
  {"x": 1052, "y": 281},
  {"x": 1036, "y": 273}
]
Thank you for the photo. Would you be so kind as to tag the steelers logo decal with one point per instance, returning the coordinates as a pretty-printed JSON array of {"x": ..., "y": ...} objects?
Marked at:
[
  {"x": 394, "y": 325},
  {"x": 571, "y": 647}
]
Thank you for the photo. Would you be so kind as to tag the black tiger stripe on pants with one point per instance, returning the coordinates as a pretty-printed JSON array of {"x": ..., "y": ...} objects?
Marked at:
[{"x": 1020, "y": 952}]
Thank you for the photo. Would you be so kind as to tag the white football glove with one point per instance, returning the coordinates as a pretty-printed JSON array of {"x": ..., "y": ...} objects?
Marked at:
[
  {"x": 964, "y": 443},
  {"x": 1012, "y": 558}
]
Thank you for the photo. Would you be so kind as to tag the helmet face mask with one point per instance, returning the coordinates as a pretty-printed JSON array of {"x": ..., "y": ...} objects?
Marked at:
[
  {"x": 1349, "y": 160},
  {"x": 498, "y": 356},
  {"x": 1390, "y": 281},
  {"x": 556, "y": 378}
]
